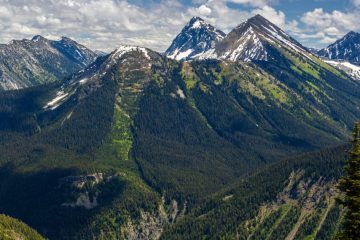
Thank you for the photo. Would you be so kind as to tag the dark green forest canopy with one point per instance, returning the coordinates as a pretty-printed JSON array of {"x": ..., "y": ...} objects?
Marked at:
[
  {"x": 224, "y": 213},
  {"x": 179, "y": 130},
  {"x": 349, "y": 184}
]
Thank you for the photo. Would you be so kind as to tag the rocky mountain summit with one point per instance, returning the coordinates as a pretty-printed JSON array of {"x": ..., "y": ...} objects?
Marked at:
[
  {"x": 195, "y": 39},
  {"x": 252, "y": 40},
  {"x": 345, "y": 49},
  {"x": 26, "y": 63}
]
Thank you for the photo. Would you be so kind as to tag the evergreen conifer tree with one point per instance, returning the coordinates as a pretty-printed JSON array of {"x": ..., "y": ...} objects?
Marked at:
[{"x": 350, "y": 185}]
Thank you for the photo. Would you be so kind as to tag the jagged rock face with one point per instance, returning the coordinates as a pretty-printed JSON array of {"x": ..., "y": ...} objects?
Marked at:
[
  {"x": 137, "y": 60},
  {"x": 313, "y": 50},
  {"x": 75, "y": 51},
  {"x": 186, "y": 129},
  {"x": 304, "y": 204},
  {"x": 150, "y": 226},
  {"x": 347, "y": 48},
  {"x": 243, "y": 43},
  {"x": 27, "y": 63},
  {"x": 196, "y": 38},
  {"x": 300, "y": 205},
  {"x": 249, "y": 41}
]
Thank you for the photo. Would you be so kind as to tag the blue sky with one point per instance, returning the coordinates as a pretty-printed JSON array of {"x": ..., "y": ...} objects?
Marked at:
[{"x": 106, "y": 24}]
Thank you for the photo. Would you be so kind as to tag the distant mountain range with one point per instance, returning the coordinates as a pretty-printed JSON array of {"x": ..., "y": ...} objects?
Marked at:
[
  {"x": 27, "y": 63},
  {"x": 251, "y": 40},
  {"x": 345, "y": 49},
  {"x": 344, "y": 54},
  {"x": 194, "y": 40},
  {"x": 233, "y": 136}
]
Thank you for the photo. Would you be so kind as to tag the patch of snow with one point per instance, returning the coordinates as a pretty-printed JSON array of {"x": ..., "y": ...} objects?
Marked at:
[
  {"x": 351, "y": 66},
  {"x": 248, "y": 36},
  {"x": 257, "y": 50},
  {"x": 67, "y": 118},
  {"x": 196, "y": 24},
  {"x": 183, "y": 55},
  {"x": 228, "y": 197},
  {"x": 279, "y": 37},
  {"x": 351, "y": 69},
  {"x": 123, "y": 50},
  {"x": 126, "y": 49},
  {"x": 36, "y": 39},
  {"x": 194, "y": 41},
  {"x": 78, "y": 53},
  {"x": 178, "y": 55},
  {"x": 209, "y": 54},
  {"x": 146, "y": 53},
  {"x": 83, "y": 81},
  {"x": 54, "y": 103},
  {"x": 172, "y": 56}
]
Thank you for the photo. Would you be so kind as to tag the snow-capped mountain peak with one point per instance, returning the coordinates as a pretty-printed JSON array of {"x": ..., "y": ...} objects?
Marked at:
[
  {"x": 196, "y": 22},
  {"x": 249, "y": 41},
  {"x": 123, "y": 49},
  {"x": 38, "y": 38},
  {"x": 242, "y": 44},
  {"x": 345, "y": 49},
  {"x": 196, "y": 38},
  {"x": 273, "y": 33}
]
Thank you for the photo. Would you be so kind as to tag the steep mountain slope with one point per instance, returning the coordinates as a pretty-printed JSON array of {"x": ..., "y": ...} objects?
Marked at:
[
  {"x": 28, "y": 63},
  {"x": 351, "y": 69},
  {"x": 135, "y": 126},
  {"x": 136, "y": 140},
  {"x": 196, "y": 38},
  {"x": 11, "y": 229},
  {"x": 345, "y": 49},
  {"x": 313, "y": 50},
  {"x": 77, "y": 148},
  {"x": 252, "y": 40},
  {"x": 76, "y": 52},
  {"x": 292, "y": 199}
]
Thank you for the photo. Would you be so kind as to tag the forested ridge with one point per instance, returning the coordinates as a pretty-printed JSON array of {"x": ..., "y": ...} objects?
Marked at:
[
  {"x": 268, "y": 204},
  {"x": 13, "y": 229},
  {"x": 140, "y": 146}
]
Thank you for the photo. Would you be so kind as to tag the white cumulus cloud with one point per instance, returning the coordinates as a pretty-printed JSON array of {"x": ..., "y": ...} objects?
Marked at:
[
  {"x": 327, "y": 27},
  {"x": 105, "y": 24},
  {"x": 356, "y": 3}
]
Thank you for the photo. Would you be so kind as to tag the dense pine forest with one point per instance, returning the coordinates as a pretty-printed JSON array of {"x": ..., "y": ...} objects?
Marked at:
[{"x": 141, "y": 146}]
